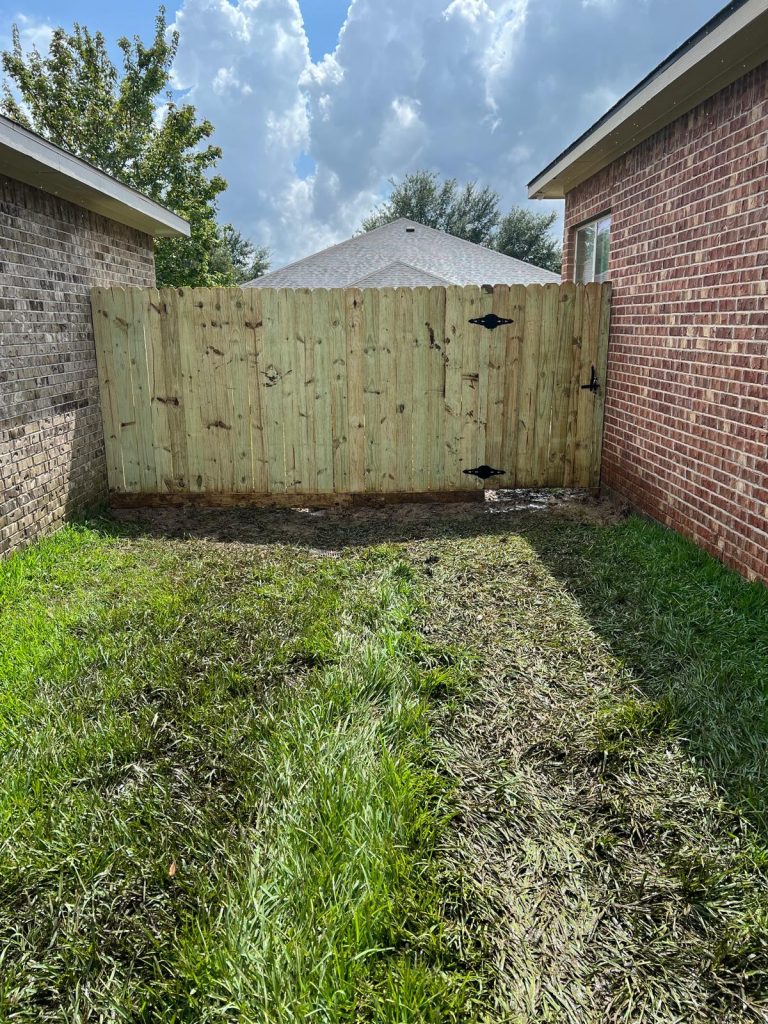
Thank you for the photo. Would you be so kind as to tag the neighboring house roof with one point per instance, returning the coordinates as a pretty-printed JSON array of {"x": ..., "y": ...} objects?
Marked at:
[
  {"x": 28, "y": 157},
  {"x": 732, "y": 43},
  {"x": 397, "y": 275},
  {"x": 403, "y": 253}
]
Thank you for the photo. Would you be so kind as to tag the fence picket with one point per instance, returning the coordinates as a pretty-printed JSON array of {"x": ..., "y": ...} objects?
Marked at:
[
  {"x": 128, "y": 435},
  {"x": 471, "y": 454},
  {"x": 323, "y": 413},
  {"x": 403, "y": 388},
  {"x": 554, "y": 466},
  {"x": 436, "y": 420},
  {"x": 513, "y": 360},
  {"x": 525, "y": 460},
  {"x": 387, "y": 370},
  {"x": 104, "y": 339}
]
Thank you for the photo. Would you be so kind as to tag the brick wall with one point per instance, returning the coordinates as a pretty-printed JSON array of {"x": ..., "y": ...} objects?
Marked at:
[
  {"x": 686, "y": 422},
  {"x": 51, "y": 442}
]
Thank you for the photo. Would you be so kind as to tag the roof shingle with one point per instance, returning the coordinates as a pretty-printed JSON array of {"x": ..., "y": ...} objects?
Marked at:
[{"x": 403, "y": 254}]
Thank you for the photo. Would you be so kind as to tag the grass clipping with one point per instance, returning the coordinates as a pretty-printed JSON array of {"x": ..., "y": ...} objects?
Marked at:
[{"x": 609, "y": 879}]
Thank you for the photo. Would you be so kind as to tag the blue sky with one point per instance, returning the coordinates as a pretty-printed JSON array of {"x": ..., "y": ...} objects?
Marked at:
[
  {"x": 313, "y": 124},
  {"x": 322, "y": 18}
]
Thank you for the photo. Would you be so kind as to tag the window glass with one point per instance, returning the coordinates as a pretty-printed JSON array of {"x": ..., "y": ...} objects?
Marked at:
[
  {"x": 593, "y": 246},
  {"x": 585, "y": 253},
  {"x": 602, "y": 248}
]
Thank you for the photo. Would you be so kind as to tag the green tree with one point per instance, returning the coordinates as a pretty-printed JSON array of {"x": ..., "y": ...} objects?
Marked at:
[
  {"x": 236, "y": 260},
  {"x": 526, "y": 236},
  {"x": 469, "y": 212},
  {"x": 126, "y": 122}
]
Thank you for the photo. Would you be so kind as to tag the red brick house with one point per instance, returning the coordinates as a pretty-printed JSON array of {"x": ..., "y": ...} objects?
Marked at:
[
  {"x": 64, "y": 227},
  {"x": 666, "y": 196}
]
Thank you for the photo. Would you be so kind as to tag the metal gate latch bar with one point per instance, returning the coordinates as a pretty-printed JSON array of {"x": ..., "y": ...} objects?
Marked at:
[{"x": 594, "y": 383}]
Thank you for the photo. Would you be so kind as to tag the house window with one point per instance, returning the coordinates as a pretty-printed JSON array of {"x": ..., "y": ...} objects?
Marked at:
[{"x": 593, "y": 244}]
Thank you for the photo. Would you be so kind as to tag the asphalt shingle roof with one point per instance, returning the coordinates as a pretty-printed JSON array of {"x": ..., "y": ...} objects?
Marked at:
[{"x": 403, "y": 254}]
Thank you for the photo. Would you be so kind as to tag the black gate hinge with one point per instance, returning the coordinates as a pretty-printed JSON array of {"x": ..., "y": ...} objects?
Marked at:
[
  {"x": 484, "y": 472},
  {"x": 594, "y": 383},
  {"x": 490, "y": 321}
]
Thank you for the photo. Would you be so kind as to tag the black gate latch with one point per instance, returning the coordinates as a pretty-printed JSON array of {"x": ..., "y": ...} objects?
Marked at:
[
  {"x": 594, "y": 383},
  {"x": 484, "y": 472},
  {"x": 490, "y": 321}
]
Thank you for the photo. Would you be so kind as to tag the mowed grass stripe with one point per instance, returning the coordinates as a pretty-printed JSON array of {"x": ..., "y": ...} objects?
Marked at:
[
  {"x": 220, "y": 805},
  {"x": 610, "y": 769}
]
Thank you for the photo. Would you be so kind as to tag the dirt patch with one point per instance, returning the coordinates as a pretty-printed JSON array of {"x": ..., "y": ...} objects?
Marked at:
[{"x": 331, "y": 529}]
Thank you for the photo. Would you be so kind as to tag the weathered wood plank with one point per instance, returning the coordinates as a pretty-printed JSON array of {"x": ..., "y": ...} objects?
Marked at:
[
  {"x": 561, "y": 341},
  {"x": 322, "y": 429},
  {"x": 421, "y": 445},
  {"x": 190, "y": 393},
  {"x": 291, "y": 383},
  {"x": 372, "y": 390},
  {"x": 512, "y": 362},
  {"x": 471, "y": 453},
  {"x": 271, "y": 370},
  {"x": 337, "y": 348},
  {"x": 173, "y": 398},
  {"x": 102, "y": 309},
  {"x": 453, "y": 344},
  {"x": 304, "y": 362},
  {"x": 601, "y": 365},
  {"x": 483, "y": 338},
  {"x": 138, "y": 345},
  {"x": 128, "y": 434},
  {"x": 582, "y": 455},
  {"x": 355, "y": 391},
  {"x": 574, "y": 386},
  {"x": 208, "y": 434},
  {"x": 253, "y": 330},
  {"x": 404, "y": 389},
  {"x": 160, "y": 427},
  {"x": 223, "y": 353},
  {"x": 496, "y": 390},
  {"x": 525, "y": 467},
  {"x": 387, "y": 383},
  {"x": 436, "y": 418},
  {"x": 545, "y": 383},
  {"x": 238, "y": 384}
]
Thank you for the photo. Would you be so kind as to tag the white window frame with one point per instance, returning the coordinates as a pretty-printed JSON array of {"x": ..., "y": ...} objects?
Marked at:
[{"x": 594, "y": 222}]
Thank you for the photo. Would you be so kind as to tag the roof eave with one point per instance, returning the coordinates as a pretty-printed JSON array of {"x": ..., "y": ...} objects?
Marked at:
[
  {"x": 28, "y": 158},
  {"x": 731, "y": 49}
]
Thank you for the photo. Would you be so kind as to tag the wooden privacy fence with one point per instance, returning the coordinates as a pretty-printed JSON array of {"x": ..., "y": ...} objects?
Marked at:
[{"x": 229, "y": 393}]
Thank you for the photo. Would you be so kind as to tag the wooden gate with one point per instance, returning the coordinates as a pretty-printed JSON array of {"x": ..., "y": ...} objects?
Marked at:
[{"x": 229, "y": 394}]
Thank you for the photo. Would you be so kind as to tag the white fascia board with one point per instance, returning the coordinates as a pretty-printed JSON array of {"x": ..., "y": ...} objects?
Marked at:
[
  {"x": 733, "y": 48},
  {"x": 35, "y": 161}
]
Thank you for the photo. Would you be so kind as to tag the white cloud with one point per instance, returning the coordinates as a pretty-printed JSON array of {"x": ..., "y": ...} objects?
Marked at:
[
  {"x": 473, "y": 12},
  {"x": 486, "y": 89},
  {"x": 241, "y": 64},
  {"x": 33, "y": 32}
]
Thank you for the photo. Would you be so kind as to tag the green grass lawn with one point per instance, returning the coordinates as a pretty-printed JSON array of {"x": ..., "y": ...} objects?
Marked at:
[{"x": 460, "y": 767}]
